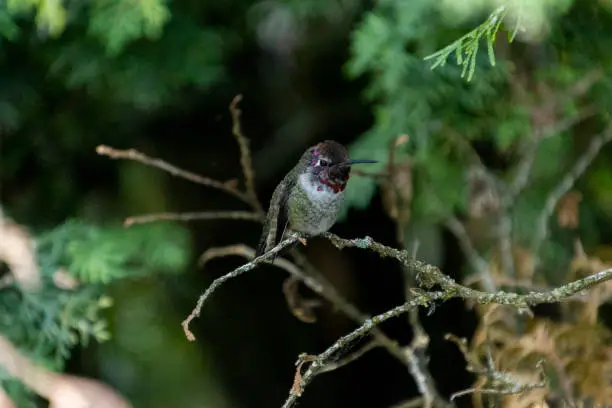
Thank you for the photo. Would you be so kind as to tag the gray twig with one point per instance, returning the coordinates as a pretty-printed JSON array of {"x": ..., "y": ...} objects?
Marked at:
[
  {"x": 523, "y": 172},
  {"x": 427, "y": 275},
  {"x": 417, "y": 350},
  {"x": 317, "y": 283},
  {"x": 502, "y": 383},
  {"x": 320, "y": 361},
  {"x": 564, "y": 186},
  {"x": 236, "y": 272},
  {"x": 192, "y": 216},
  {"x": 245, "y": 155},
  {"x": 351, "y": 357},
  {"x": 481, "y": 267},
  {"x": 135, "y": 155}
]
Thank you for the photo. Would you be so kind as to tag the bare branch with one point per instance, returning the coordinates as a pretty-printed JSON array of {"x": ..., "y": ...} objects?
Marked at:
[
  {"x": 314, "y": 280},
  {"x": 564, "y": 186},
  {"x": 418, "y": 366},
  {"x": 192, "y": 216},
  {"x": 245, "y": 155},
  {"x": 521, "y": 179},
  {"x": 351, "y": 357},
  {"x": 300, "y": 307},
  {"x": 417, "y": 351},
  {"x": 135, "y": 155},
  {"x": 317, "y": 283},
  {"x": 303, "y": 358},
  {"x": 554, "y": 101},
  {"x": 236, "y": 272},
  {"x": 523, "y": 172},
  {"x": 504, "y": 383},
  {"x": 515, "y": 389},
  {"x": 319, "y": 362},
  {"x": 427, "y": 275},
  {"x": 504, "y": 239},
  {"x": 480, "y": 266}
]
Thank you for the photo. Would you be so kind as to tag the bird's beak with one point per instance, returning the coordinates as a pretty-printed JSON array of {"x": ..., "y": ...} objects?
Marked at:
[{"x": 351, "y": 162}]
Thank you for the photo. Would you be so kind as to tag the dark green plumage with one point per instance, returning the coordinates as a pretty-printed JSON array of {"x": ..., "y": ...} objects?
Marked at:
[{"x": 309, "y": 198}]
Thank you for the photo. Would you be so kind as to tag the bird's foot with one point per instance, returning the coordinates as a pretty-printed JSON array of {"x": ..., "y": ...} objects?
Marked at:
[{"x": 303, "y": 241}]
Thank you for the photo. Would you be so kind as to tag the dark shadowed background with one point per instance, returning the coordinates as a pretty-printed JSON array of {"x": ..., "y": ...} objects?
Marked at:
[{"x": 159, "y": 77}]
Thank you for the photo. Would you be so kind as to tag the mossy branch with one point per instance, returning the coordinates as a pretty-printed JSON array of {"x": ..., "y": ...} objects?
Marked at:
[{"x": 427, "y": 276}]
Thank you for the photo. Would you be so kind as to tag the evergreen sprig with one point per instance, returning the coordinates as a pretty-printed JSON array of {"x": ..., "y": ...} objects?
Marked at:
[
  {"x": 49, "y": 323},
  {"x": 466, "y": 48}
]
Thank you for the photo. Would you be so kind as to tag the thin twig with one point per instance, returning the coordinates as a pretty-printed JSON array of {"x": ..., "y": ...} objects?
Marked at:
[
  {"x": 524, "y": 167},
  {"x": 192, "y": 216},
  {"x": 427, "y": 275},
  {"x": 505, "y": 383},
  {"x": 320, "y": 285},
  {"x": 452, "y": 289},
  {"x": 564, "y": 186},
  {"x": 411, "y": 403},
  {"x": 300, "y": 307},
  {"x": 135, "y": 155},
  {"x": 430, "y": 275},
  {"x": 236, "y": 272},
  {"x": 519, "y": 389},
  {"x": 554, "y": 101},
  {"x": 245, "y": 155},
  {"x": 320, "y": 361},
  {"x": 417, "y": 358},
  {"x": 301, "y": 311},
  {"x": 417, "y": 350},
  {"x": 480, "y": 266},
  {"x": 351, "y": 357},
  {"x": 311, "y": 277},
  {"x": 504, "y": 239},
  {"x": 247, "y": 252},
  {"x": 316, "y": 282}
]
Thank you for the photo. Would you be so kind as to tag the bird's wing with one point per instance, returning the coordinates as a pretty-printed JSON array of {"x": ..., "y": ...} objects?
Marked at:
[{"x": 277, "y": 218}]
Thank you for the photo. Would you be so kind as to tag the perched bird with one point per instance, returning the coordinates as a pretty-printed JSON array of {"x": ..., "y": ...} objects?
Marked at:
[{"x": 309, "y": 198}]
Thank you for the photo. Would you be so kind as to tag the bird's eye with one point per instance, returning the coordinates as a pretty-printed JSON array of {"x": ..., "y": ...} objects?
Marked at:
[{"x": 323, "y": 163}]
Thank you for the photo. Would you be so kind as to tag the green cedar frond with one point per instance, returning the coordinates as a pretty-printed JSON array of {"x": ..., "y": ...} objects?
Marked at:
[
  {"x": 48, "y": 324},
  {"x": 466, "y": 47}
]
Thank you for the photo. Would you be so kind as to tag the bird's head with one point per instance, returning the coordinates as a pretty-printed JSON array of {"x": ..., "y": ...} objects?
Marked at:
[{"x": 328, "y": 163}]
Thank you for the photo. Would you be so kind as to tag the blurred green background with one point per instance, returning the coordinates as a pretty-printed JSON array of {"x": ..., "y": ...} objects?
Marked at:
[{"x": 158, "y": 76}]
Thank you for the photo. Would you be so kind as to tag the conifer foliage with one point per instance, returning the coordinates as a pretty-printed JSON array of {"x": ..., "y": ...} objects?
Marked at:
[{"x": 58, "y": 302}]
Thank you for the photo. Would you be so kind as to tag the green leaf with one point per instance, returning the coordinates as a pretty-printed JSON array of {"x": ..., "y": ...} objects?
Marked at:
[
  {"x": 514, "y": 127},
  {"x": 116, "y": 22},
  {"x": 599, "y": 182},
  {"x": 368, "y": 42},
  {"x": 466, "y": 47},
  {"x": 21, "y": 6},
  {"x": 8, "y": 29},
  {"x": 440, "y": 187},
  {"x": 51, "y": 17},
  {"x": 552, "y": 157}
]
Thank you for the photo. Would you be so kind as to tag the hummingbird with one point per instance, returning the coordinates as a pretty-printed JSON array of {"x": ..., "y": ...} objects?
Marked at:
[{"x": 309, "y": 198}]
